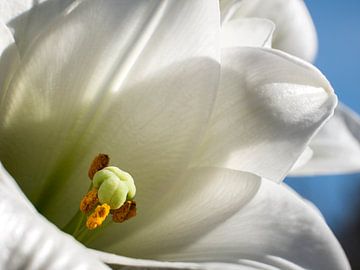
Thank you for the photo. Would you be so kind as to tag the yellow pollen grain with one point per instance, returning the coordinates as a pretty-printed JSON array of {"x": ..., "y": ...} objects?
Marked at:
[
  {"x": 97, "y": 218},
  {"x": 89, "y": 201}
]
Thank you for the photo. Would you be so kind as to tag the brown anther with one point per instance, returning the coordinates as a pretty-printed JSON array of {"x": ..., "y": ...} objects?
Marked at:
[
  {"x": 89, "y": 201},
  {"x": 125, "y": 212},
  {"x": 100, "y": 162},
  {"x": 132, "y": 211}
]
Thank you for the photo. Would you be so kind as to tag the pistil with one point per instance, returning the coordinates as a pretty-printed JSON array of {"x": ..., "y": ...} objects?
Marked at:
[{"x": 111, "y": 192}]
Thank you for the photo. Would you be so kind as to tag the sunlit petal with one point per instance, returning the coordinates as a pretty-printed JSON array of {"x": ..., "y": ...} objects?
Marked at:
[
  {"x": 247, "y": 32},
  {"x": 28, "y": 241},
  {"x": 32, "y": 18},
  {"x": 336, "y": 147},
  {"x": 303, "y": 159},
  {"x": 106, "y": 77},
  {"x": 11, "y": 9},
  {"x": 294, "y": 33},
  {"x": 268, "y": 107},
  {"x": 201, "y": 200},
  {"x": 277, "y": 228},
  {"x": 9, "y": 58},
  {"x": 118, "y": 262}
]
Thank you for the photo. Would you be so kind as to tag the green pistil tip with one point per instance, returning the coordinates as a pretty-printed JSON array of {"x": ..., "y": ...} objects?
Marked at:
[{"x": 114, "y": 186}]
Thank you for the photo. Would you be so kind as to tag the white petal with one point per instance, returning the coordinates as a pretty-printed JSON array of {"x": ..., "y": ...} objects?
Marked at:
[
  {"x": 277, "y": 228},
  {"x": 253, "y": 32},
  {"x": 119, "y": 262},
  {"x": 201, "y": 200},
  {"x": 268, "y": 107},
  {"x": 243, "y": 265},
  {"x": 9, "y": 58},
  {"x": 336, "y": 147},
  {"x": 304, "y": 158},
  {"x": 28, "y": 19},
  {"x": 295, "y": 32},
  {"x": 114, "y": 77},
  {"x": 12, "y": 9},
  {"x": 28, "y": 241}
]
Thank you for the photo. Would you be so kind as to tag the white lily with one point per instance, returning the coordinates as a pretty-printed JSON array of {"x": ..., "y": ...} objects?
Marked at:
[
  {"x": 196, "y": 123},
  {"x": 336, "y": 149}
]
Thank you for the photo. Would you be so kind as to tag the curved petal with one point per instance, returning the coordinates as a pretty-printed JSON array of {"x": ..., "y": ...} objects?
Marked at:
[
  {"x": 28, "y": 18},
  {"x": 119, "y": 262},
  {"x": 304, "y": 158},
  {"x": 253, "y": 32},
  {"x": 106, "y": 78},
  {"x": 201, "y": 200},
  {"x": 295, "y": 32},
  {"x": 278, "y": 228},
  {"x": 9, "y": 58},
  {"x": 11, "y": 9},
  {"x": 269, "y": 106},
  {"x": 336, "y": 147},
  {"x": 28, "y": 241}
]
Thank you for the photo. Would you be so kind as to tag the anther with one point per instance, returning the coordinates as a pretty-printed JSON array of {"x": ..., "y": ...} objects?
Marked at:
[
  {"x": 89, "y": 201},
  {"x": 125, "y": 212},
  {"x": 100, "y": 162},
  {"x": 98, "y": 217},
  {"x": 112, "y": 190}
]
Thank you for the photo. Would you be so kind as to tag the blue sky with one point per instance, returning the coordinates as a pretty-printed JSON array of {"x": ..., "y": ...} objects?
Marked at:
[{"x": 338, "y": 26}]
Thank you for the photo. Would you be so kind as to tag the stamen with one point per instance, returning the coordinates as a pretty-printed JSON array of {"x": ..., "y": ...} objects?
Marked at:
[
  {"x": 89, "y": 201},
  {"x": 132, "y": 211},
  {"x": 125, "y": 212},
  {"x": 111, "y": 187},
  {"x": 98, "y": 217},
  {"x": 100, "y": 162}
]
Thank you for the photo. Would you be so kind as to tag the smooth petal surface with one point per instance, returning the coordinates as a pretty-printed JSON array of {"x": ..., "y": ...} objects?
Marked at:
[
  {"x": 33, "y": 18},
  {"x": 199, "y": 202},
  {"x": 268, "y": 107},
  {"x": 336, "y": 148},
  {"x": 106, "y": 77},
  {"x": 277, "y": 228},
  {"x": 9, "y": 58},
  {"x": 252, "y": 32},
  {"x": 118, "y": 262},
  {"x": 11, "y": 9},
  {"x": 27, "y": 18},
  {"x": 304, "y": 158},
  {"x": 28, "y": 241},
  {"x": 295, "y": 32}
]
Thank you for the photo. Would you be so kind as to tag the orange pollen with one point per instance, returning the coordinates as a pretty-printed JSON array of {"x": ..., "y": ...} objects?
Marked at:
[
  {"x": 89, "y": 201},
  {"x": 97, "y": 218}
]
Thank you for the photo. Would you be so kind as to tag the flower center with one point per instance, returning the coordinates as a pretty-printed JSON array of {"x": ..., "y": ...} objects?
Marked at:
[{"x": 111, "y": 192}]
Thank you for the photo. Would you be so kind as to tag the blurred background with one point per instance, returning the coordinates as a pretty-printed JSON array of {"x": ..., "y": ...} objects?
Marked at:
[{"x": 338, "y": 197}]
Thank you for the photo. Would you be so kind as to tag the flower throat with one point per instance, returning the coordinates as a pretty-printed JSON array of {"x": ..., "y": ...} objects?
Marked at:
[{"x": 111, "y": 192}]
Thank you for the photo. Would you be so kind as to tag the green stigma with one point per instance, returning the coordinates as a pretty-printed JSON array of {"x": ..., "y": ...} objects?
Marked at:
[{"x": 115, "y": 186}]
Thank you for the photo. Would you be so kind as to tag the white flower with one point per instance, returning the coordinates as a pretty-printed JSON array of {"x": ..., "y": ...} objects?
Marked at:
[{"x": 207, "y": 127}]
